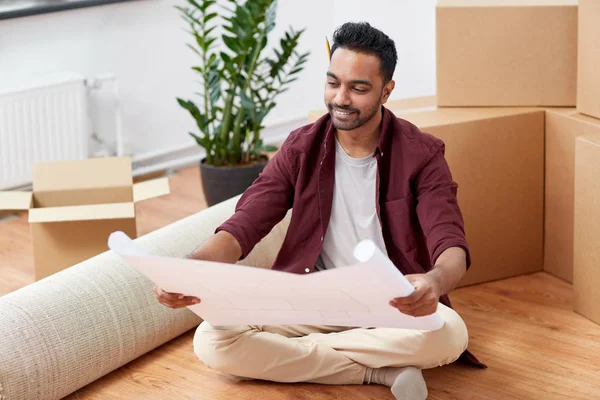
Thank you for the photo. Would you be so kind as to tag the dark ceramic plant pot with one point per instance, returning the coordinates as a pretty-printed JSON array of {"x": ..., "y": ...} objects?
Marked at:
[{"x": 222, "y": 183}]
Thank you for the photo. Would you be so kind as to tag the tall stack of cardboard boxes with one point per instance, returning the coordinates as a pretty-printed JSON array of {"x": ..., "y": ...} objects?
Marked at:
[
  {"x": 518, "y": 106},
  {"x": 500, "y": 54},
  {"x": 531, "y": 53},
  {"x": 586, "y": 244}
]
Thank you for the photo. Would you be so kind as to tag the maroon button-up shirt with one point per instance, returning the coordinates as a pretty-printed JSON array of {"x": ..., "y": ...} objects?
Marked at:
[{"x": 416, "y": 199}]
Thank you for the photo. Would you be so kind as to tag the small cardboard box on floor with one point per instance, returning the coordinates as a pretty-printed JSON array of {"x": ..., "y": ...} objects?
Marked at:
[
  {"x": 76, "y": 205},
  {"x": 586, "y": 244},
  {"x": 506, "y": 53},
  {"x": 588, "y": 54}
]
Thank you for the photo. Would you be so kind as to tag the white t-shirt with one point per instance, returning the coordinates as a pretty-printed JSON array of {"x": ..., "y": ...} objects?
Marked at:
[{"x": 353, "y": 214}]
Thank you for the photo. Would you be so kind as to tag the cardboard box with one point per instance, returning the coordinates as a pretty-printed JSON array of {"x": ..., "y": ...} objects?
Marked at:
[
  {"x": 75, "y": 205},
  {"x": 562, "y": 130},
  {"x": 394, "y": 105},
  {"x": 497, "y": 158},
  {"x": 506, "y": 52},
  {"x": 586, "y": 247},
  {"x": 588, "y": 54}
]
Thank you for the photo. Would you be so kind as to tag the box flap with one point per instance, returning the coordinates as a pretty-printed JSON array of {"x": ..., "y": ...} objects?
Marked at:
[
  {"x": 82, "y": 213},
  {"x": 83, "y": 197},
  {"x": 506, "y": 3},
  {"x": 82, "y": 174},
  {"x": 584, "y": 118},
  {"x": 561, "y": 110},
  {"x": 150, "y": 189},
  {"x": 593, "y": 139},
  {"x": 13, "y": 200}
]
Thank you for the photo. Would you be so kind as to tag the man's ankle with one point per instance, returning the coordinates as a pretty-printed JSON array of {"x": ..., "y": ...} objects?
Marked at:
[
  {"x": 407, "y": 383},
  {"x": 382, "y": 376}
]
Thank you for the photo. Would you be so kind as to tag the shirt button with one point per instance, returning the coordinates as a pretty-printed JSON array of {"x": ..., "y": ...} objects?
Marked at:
[
  {"x": 307, "y": 270},
  {"x": 321, "y": 238}
]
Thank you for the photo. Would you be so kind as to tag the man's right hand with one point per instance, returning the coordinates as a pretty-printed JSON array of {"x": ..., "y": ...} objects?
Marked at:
[
  {"x": 221, "y": 247},
  {"x": 174, "y": 300}
]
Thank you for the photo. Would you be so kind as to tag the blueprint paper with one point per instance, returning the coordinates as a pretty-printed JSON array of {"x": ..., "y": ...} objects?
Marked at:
[{"x": 357, "y": 295}]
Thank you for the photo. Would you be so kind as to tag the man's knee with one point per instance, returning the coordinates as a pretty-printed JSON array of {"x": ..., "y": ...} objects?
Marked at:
[
  {"x": 212, "y": 344},
  {"x": 448, "y": 342}
]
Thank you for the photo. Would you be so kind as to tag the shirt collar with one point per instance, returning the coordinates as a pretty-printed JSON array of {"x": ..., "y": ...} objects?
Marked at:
[{"x": 386, "y": 123}]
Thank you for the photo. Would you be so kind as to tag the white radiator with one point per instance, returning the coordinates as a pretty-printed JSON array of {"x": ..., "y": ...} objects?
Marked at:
[{"x": 46, "y": 121}]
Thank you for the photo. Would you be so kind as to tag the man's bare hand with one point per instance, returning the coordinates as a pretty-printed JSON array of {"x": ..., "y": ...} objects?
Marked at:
[
  {"x": 174, "y": 300},
  {"x": 423, "y": 301}
]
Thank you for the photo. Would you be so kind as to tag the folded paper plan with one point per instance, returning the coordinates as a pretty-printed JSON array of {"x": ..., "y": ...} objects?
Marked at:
[{"x": 355, "y": 296}]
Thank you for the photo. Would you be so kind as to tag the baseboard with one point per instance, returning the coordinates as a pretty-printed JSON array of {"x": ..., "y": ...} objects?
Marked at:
[{"x": 190, "y": 154}]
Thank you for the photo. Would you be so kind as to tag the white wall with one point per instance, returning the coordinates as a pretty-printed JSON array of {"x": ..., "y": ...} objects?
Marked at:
[
  {"x": 411, "y": 24},
  {"x": 143, "y": 44}
]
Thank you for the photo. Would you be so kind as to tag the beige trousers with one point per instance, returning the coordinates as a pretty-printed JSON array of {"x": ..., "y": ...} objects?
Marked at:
[{"x": 326, "y": 354}]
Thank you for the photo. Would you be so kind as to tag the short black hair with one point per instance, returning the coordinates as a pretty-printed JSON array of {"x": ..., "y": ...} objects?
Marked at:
[{"x": 361, "y": 37}]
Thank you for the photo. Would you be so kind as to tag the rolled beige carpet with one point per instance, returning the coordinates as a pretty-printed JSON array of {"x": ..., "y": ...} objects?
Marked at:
[{"x": 67, "y": 330}]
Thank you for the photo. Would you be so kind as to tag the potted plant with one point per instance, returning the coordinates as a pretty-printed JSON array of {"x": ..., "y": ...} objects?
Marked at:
[{"x": 239, "y": 86}]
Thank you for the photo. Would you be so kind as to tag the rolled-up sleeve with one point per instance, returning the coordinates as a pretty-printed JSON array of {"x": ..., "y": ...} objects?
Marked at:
[
  {"x": 437, "y": 206},
  {"x": 265, "y": 203}
]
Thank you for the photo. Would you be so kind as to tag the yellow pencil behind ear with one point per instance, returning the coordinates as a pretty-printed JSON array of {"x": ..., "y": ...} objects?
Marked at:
[{"x": 328, "y": 48}]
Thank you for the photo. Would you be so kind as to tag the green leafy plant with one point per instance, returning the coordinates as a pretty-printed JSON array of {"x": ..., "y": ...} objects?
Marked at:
[{"x": 239, "y": 84}]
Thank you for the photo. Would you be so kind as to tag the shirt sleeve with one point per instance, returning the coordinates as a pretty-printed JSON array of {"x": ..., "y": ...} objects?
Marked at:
[
  {"x": 437, "y": 207},
  {"x": 264, "y": 204}
]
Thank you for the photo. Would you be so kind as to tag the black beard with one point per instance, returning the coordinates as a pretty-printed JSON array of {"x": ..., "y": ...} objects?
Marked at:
[{"x": 354, "y": 123}]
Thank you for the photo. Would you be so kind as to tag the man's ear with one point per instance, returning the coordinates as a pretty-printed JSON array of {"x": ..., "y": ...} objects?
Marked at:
[{"x": 387, "y": 91}]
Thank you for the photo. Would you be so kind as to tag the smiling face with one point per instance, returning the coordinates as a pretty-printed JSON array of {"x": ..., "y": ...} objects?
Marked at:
[{"x": 355, "y": 89}]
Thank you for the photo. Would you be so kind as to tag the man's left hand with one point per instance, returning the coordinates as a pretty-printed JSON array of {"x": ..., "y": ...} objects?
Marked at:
[{"x": 423, "y": 301}]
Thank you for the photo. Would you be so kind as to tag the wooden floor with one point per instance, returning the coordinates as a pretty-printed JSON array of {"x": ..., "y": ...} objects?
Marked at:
[{"x": 523, "y": 328}]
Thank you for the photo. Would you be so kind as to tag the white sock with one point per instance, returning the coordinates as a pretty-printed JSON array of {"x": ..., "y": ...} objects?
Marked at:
[{"x": 407, "y": 383}]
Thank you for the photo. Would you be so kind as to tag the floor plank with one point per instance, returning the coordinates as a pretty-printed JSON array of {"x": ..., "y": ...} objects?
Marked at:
[{"x": 523, "y": 328}]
